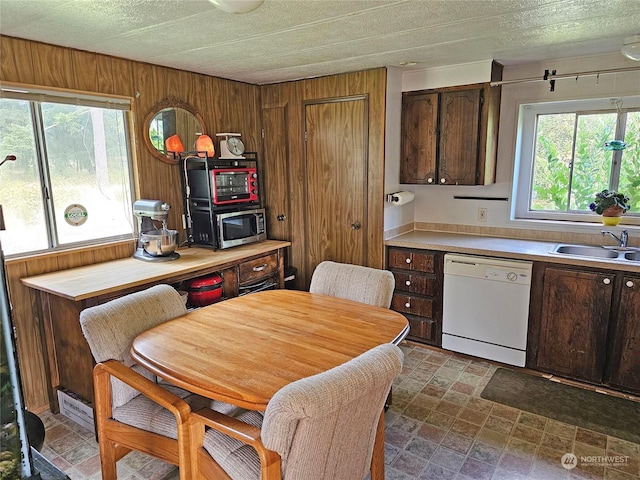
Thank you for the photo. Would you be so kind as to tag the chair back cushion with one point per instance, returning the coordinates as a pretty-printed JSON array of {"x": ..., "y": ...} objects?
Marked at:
[
  {"x": 324, "y": 426},
  {"x": 353, "y": 282},
  {"x": 110, "y": 329}
]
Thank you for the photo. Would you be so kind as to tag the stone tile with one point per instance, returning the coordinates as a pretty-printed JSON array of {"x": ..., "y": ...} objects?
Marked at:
[
  {"x": 431, "y": 432},
  {"x": 80, "y": 453},
  {"x": 555, "y": 441},
  {"x": 492, "y": 438},
  {"x": 447, "y": 372},
  {"x": 469, "y": 378},
  {"x": 480, "y": 404},
  {"x": 472, "y": 416},
  {"x": 421, "y": 447},
  {"x": 434, "y": 391},
  {"x": 408, "y": 463},
  {"x": 476, "y": 369},
  {"x": 440, "y": 419},
  {"x": 477, "y": 470},
  {"x": 501, "y": 474},
  {"x": 623, "y": 447},
  {"x": 457, "y": 442},
  {"x": 442, "y": 382},
  {"x": 464, "y": 428},
  {"x": 532, "y": 420},
  {"x": 463, "y": 388},
  {"x": 499, "y": 424},
  {"x": 448, "y": 408},
  {"x": 156, "y": 470},
  {"x": 521, "y": 447},
  {"x": 515, "y": 464},
  {"x": 396, "y": 437},
  {"x": 90, "y": 466},
  {"x": 448, "y": 459},
  {"x": 456, "y": 397},
  {"x": 406, "y": 424},
  {"x": 591, "y": 438},
  {"x": 65, "y": 443},
  {"x": 456, "y": 364},
  {"x": 485, "y": 453},
  {"x": 561, "y": 429},
  {"x": 528, "y": 434},
  {"x": 505, "y": 412},
  {"x": 435, "y": 472}
]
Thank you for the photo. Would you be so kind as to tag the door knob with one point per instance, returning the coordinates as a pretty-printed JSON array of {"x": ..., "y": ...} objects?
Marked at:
[
  {"x": 281, "y": 217},
  {"x": 356, "y": 225}
]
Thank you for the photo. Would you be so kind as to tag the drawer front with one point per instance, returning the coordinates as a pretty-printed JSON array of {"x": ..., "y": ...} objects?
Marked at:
[
  {"x": 422, "y": 329},
  {"x": 258, "y": 268},
  {"x": 405, "y": 282},
  {"x": 411, "y": 260},
  {"x": 422, "y": 307}
]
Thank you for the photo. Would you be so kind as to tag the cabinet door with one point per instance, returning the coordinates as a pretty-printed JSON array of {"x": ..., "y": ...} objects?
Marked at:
[
  {"x": 459, "y": 137},
  {"x": 625, "y": 359},
  {"x": 573, "y": 327},
  {"x": 419, "y": 138}
]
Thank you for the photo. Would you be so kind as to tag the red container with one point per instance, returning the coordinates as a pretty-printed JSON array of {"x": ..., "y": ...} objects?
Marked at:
[{"x": 204, "y": 290}]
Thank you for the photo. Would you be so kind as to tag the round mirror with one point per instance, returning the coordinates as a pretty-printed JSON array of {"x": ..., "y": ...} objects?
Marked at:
[{"x": 172, "y": 118}]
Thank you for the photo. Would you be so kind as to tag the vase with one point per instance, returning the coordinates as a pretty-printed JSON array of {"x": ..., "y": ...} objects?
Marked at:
[{"x": 612, "y": 216}]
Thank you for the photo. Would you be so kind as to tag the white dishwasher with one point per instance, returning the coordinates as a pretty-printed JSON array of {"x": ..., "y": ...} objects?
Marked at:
[{"x": 485, "y": 307}]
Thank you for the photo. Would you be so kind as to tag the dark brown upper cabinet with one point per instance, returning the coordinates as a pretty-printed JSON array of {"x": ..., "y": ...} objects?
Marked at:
[{"x": 450, "y": 135}]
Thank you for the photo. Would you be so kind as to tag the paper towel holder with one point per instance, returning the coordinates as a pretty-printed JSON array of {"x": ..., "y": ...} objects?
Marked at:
[{"x": 397, "y": 198}]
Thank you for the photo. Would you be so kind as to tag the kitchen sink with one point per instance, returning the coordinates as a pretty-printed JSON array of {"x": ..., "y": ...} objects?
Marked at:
[
  {"x": 586, "y": 251},
  {"x": 633, "y": 256}
]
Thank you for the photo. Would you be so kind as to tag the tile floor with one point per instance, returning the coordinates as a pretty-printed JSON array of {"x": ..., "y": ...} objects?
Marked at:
[{"x": 437, "y": 428}]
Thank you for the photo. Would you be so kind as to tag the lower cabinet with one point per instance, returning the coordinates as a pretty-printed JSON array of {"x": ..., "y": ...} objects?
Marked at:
[
  {"x": 418, "y": 291},
  {"x": 588, "y": 326}
]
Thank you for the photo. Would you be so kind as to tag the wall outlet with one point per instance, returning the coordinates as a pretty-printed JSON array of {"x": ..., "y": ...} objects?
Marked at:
[{"x": 482, "y": 214}]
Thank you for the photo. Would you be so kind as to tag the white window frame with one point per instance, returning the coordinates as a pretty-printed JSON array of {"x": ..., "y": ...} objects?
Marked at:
[
  {"x": 106, "y": 101},
  {"x": 525, "y": 151}
]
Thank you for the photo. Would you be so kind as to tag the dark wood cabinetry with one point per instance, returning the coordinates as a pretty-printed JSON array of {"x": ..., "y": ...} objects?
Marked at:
[
  {"x": 625, "y": 355},
  {"x": 449, "y": 135},
  {"x": 574, "y": 322},
  {"x": 418, "y": 291},
  {"x": 587, "y": 326}
]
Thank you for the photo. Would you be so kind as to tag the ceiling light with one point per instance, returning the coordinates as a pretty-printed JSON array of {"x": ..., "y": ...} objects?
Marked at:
[
  {"x": 407, "y": 64},
  {"x": 237, "y": 6},
  {"x": 631, "y": 48}
]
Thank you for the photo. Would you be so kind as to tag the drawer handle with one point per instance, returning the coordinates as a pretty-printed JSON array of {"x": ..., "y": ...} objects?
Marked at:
[
  {"x": 629, "y": 284},
  {"x": 408, "y": 305},
  {"x": 606, "y": 281},
  {"x": 408, "y": 260},
  {"x": 260, "y": 268},
  {"x": 407, "y": 283}
]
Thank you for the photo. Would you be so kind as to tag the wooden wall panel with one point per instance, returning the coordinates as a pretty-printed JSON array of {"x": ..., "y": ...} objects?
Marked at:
[{"x": 224, "y": 105}]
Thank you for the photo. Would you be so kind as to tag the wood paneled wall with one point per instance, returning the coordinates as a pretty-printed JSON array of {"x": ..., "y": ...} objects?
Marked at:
[
  {"x": 225, "y": 106},
  {"x": 290, "y": 97}
]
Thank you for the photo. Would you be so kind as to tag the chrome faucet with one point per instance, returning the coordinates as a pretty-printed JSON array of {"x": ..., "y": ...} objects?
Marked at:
[{"x": 622, "y": 240}]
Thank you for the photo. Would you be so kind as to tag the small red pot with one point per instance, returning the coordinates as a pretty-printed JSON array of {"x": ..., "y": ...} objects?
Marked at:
[{"x": 204, "y": 290}]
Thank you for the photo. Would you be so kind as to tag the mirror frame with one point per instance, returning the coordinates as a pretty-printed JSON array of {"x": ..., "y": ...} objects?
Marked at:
[{"x": 168, "y": 102}]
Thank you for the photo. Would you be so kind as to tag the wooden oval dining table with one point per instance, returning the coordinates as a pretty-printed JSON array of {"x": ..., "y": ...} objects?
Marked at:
[{"x": 243, "y": 350}]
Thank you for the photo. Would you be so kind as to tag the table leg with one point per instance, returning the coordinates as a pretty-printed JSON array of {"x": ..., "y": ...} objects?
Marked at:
[{"x": 377, "y": 459}]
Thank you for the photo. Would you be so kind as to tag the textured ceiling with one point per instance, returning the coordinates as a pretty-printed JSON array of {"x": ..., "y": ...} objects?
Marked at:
[{"x": 291, "y": 39}]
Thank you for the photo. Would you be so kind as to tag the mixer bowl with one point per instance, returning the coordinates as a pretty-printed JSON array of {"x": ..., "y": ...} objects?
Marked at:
[{"x": 159, "y": 242}]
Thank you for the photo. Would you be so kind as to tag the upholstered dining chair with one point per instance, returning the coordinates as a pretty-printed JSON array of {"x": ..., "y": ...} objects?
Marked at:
[
  {"x": 353, "y": 282},
  {"x": 134, "y": 409},
  {"x": 317, "y": 428}
]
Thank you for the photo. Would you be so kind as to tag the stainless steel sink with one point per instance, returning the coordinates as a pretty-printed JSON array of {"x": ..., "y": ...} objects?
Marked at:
[
  {"x": 633, "y": 256},
  {"x": 586, "y": 251}
]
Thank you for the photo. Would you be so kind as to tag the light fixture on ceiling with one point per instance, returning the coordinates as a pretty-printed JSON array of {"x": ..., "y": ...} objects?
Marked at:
[
  {"x": 631, "y": 48},
  {"x": 237, "y": 6}
]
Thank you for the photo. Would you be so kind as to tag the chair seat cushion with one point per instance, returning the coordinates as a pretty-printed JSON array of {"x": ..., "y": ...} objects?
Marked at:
[
  {"x": 238, "y": 459},
  {"x": 144, "y": 413}
]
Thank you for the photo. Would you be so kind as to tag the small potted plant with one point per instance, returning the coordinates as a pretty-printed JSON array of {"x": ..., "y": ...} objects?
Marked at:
[{"x": 611, "y": 205}]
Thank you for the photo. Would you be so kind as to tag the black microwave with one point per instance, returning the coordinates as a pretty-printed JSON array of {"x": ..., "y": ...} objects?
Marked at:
[{"x": 240, "y": 227}]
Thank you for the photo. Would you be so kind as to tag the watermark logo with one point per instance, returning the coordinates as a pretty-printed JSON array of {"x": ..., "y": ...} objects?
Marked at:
[{"x": 570, "y": 461}]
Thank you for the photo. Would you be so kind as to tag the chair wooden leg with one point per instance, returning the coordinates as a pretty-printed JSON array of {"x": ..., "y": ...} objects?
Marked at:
[
  {"x": 108, "y": 459},
  {"x": 377, "y": 459}
]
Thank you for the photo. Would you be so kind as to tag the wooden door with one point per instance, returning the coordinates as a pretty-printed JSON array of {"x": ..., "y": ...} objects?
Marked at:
[
  {"x": 574, "y": 323},
  {"x": 625, "y": 364},
  {"x": 459, "y": 137},
  {"x": 275, "y": 173},
  {"x": 336, "y": 181},
  {"x": 419, "y": 138}
]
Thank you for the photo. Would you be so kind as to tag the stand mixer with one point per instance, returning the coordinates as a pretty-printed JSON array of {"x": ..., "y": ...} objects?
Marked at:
[{"x": 154, "y": 244}]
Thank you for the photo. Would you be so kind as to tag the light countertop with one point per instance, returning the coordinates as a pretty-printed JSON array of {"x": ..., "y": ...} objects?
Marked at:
[{"x": 502, "y": 247}]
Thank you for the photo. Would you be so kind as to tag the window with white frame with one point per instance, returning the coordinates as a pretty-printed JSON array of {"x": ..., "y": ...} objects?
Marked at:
[
  {"x": 568, "y": 151},
  {"x": 70, "y": 183}
]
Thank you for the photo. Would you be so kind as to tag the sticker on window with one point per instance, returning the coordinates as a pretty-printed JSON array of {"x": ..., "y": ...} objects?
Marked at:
[{"x": 75, "y": 214}]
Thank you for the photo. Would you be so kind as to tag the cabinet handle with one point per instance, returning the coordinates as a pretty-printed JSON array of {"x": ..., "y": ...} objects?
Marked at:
[
  {"x": 429, "y": 180},
  {"x": 408, "y": 260},
  {"x": 408, "y": 305},
  {"x": 260, "y": 268},
  {"x": 629, "y": 284},
  {"x": 443, "y": 180},
  {"x": 281, "y": 217},
  {"x": 606, "y": 281},
  {"x": 407, "y": 283}
]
